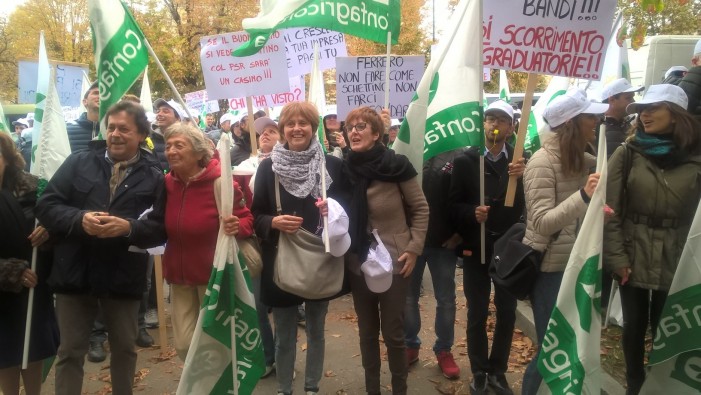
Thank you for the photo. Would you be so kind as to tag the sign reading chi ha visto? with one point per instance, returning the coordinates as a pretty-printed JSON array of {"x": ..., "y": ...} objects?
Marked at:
[
  {"x": 557, "y": 37},
  {"x": 227, "y": 76}
]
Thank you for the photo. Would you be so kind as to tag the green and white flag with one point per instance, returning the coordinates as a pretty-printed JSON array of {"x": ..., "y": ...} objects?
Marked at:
[
  {"x": 145, "y": 97},
  {"x": 43, "y": 74},
  {"x": 446, "y": 111},
  {"x": 569, "y": 359},
  {"x": 675, "y": 359},
  {"x": 504, "y": 91},
  {"x": 3, "y": 122},
  {"x": 226, "y": 353},
  {"x": 120, "y": 50},
  {"x": 317, "y": 94},
  {"x": 369, "y": 19},
  {"x": 537, "y": 128},
  {"x": 53, "y": 147}
]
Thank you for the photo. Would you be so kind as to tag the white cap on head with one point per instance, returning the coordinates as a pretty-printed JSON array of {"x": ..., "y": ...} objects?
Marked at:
[
  {"x": 659, "y": 93},
  {"x": 339, "y": 239},
  {"x": 228, "y": 117},
  {"x": 182, "y": 115},
  {"x": 673, "y": 69},
  {"x": 565, "y": 107},
  {"x": 697, "y": 48},
  {"x": 395, "y": 122},
  {"x": 620, "y": 85},
  {"x": 21, "y": 121},
  {"x": 500, "y": 106},
  {"x": 261, "y": 123}
]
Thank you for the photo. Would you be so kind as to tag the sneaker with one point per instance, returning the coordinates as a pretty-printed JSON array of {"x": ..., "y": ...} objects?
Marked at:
[
  {"x": 312, "y": 392},
  {"x": 447, "y": 364},
  {"x": 96, "y": 353},
  {"x": 412, "y": 355},
  {"x": 478, "y": 384},
  {"x": 143, "y": 339},
  {"x": 498, "y": 384},
  {"x": 268, "y": 370},
  {"x": 151, "y": 318}
]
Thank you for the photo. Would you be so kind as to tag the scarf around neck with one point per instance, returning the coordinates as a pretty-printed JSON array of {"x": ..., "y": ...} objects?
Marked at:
[
  {"x": 300, "y": 171},
  {"x": 378, "y": 163},
  {"x": 654, "y": 144}
]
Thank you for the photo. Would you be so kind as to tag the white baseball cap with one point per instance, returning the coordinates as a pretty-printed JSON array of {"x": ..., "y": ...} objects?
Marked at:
[
  {"x": 565, "y": 107},
  {"x": 615, "y": 87},
  {"x": 182, "y": 115},
  {"x": 261, "y": 123},
  {"x": 500, "y": 106},
  {"x": 339, "y": 239},
  {"x": 21, "y": 121},
  {"x": 395, "y": 122},
  {"x": 673, "y": 69},
  {"x": 659, "y": 93},
  {"x": 228, "y": 117},
  {"x": 377, "y": 268}
]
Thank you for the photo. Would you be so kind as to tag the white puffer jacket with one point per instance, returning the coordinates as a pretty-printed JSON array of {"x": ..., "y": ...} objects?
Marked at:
[{"x": 553, "y": 203}]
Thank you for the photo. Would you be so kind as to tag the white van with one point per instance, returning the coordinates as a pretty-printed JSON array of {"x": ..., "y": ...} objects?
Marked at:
[{"x": 658, "y": 53}]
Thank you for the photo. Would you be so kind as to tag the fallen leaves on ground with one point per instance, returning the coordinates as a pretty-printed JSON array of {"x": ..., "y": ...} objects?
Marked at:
[
  {"x": 166, "y": 355},
  {"x": 329, "y": 373}
]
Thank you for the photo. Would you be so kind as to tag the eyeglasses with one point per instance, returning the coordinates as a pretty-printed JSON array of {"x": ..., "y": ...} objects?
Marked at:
[{"x": 360, "y": 126}]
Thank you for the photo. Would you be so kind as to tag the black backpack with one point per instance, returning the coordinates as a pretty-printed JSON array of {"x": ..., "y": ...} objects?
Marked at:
[{"x": 514, "y": 266}]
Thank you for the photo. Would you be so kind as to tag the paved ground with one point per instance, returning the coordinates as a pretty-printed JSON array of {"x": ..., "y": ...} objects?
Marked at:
[{"x": 158, "y": 373}]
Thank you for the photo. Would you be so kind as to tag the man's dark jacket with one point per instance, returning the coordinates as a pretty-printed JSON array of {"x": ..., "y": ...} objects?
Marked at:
[
  {"x": 464, "y": 198},
  {"x": 81, "y": 131},
  {"x": 84, "y": 264},
  {"x": 436, "y": 185},
  {"x": 691, "y": 83}
]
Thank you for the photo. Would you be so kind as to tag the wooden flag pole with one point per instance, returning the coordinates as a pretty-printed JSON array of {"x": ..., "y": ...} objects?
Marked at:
[
  {"x": 387, "y": 59},
  {"x": 521, "y": 137},
  {"x": 251, "y": 129},
  {"x": 483, "y": 225},
  {"x": 158, "y": 283}
]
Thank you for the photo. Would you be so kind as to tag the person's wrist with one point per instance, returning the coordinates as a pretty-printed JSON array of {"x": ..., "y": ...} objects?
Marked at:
[{"x": 585, "y": 197}]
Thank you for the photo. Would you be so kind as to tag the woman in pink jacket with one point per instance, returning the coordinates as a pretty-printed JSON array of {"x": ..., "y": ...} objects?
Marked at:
[{"x": 192, "y": 225}]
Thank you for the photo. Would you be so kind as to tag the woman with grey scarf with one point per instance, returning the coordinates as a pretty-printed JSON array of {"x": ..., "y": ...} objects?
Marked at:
[{"x": 297, "y": 165}]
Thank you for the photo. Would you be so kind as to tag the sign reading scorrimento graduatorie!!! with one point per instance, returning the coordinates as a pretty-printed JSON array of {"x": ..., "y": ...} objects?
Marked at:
[{"x": 556, "y": 37}]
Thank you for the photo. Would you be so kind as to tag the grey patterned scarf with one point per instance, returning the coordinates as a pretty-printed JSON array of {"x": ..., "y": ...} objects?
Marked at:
[{"x": 299, "y": 172}]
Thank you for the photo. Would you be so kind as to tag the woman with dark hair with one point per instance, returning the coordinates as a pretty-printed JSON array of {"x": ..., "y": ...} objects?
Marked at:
[
  {"x": 295, "y": 167},
  {"x": 558, "y": 187},
  {"x": 336, "y": 143},
  {"x": 387, "y": 199},
  {"x": 654, "y": 184},
  {"x": 18, "y": 195}
]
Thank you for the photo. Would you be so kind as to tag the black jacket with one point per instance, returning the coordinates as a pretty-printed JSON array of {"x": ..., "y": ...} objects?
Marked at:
[
  {"x": 464, "y": 198},
  {"x": 81, "y": 131},
  {"x": 691, "y": 83},
  {"x": 264, "y": 209},
  {"x": 616, "y": 134},
  {"x": 437, "y": 172},
  {"x": 159, "y": 150},
  {"x": 84, "y": 264}
]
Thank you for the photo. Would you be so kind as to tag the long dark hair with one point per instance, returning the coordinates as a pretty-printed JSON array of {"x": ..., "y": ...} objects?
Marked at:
[
  {"x": 572, "y": 146},
  {"x": 13, "y": 178},
  {"x": 686, "y": 129}
]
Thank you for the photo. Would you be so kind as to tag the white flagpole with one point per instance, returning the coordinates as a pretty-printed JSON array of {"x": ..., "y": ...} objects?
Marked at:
[
  {"x": 389, "y": 50},
  {"x": 327, "y": 246},
  {"x": 30, "y": 311}
]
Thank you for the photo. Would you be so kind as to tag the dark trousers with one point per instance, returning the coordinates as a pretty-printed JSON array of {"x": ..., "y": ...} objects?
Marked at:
[
  {"x": 478, "y": 286},
  {"x": 384, "y": 312},
  {"x": 640, "y": 308}
]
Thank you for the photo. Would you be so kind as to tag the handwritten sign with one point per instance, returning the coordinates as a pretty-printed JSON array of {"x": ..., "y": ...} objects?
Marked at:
[
  {"x": 196, "y": 100},
  {"x": 69, "y": 80},
  {"x": 296, "y": 93},
  {"x": 299, "y": 45},
  {"x": 556, "y": 37},
  {"x": 360, "y": 81},
  {"x": 226, "y": 76}
]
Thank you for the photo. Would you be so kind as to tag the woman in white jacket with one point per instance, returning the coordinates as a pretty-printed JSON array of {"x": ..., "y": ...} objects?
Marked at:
[{"x": 558, "y": 188}]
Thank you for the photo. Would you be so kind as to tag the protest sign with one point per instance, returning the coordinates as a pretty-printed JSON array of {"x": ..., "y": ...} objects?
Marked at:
[
  {"x": 199, "y": 99},
  {"x": 556, "y": 37},
  {"x": 299, "y": 45},
  {"x": 360, "y": 81},
  {"x": 296, "y": 93},
  {"x": 69, "y": 79},
  {"x": 226, "y": 76}
]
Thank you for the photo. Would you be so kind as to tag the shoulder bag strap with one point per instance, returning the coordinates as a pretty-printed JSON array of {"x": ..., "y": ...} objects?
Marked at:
[{"x": 278, "y": 206}]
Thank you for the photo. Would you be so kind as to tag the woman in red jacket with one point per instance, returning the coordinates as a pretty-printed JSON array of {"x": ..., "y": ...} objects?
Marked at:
[{"x": 192, "y": 225}]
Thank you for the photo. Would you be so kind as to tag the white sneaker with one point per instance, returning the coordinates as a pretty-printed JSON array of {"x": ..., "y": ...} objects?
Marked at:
[
  {"x": 268, "y": 371},
  {"x": 151, "y": 318}
]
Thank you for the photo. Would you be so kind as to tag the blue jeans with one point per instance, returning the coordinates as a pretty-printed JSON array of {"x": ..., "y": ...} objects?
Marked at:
[
  {"x": 441, "y": 264},
  {"x": 286, "y": 345},
  {"x": 266, "y": 331},
  {"x": 543, "y": 300}
]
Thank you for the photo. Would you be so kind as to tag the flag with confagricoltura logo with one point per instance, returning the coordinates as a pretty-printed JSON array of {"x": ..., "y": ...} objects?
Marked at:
[
  {"x": 569, "y": 359},
  {"x": 120, "y": 51},
  {"x": 538, "y": 129},
  {"x": 368, "y": 19}
]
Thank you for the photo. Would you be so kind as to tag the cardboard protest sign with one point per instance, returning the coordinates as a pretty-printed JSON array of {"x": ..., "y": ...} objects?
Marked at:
[
  {"x": 296, "y": 93},
  {"x": 69, "y": 78},
  {"x": 360, "y": 81},
  {"x": 226, "y": 76},
  {"x": 565, "y": 38},
  {"x": 199, "y": 99},
  {"x": 299, "y": 45}
]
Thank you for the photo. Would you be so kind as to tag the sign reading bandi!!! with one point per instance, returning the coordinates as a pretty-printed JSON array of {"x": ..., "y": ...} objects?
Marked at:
[
  {"x": 260, "y": 74},
  {"x": 296, "y": 93},
  {"x": 299, "y": 45},
  {"x": 360, "y": 81},
  {"x": 557, "y": 37}
]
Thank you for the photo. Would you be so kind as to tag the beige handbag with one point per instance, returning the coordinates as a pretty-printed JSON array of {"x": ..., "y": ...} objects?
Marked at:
[
  {"x": 302, "y": 267},
  {"x": 249, "y": 248}
]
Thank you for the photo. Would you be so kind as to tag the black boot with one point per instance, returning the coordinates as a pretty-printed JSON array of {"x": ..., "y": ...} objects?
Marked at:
[
  {"x": 144, "y": 339},
  {"x": 96, "y": 353}
]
